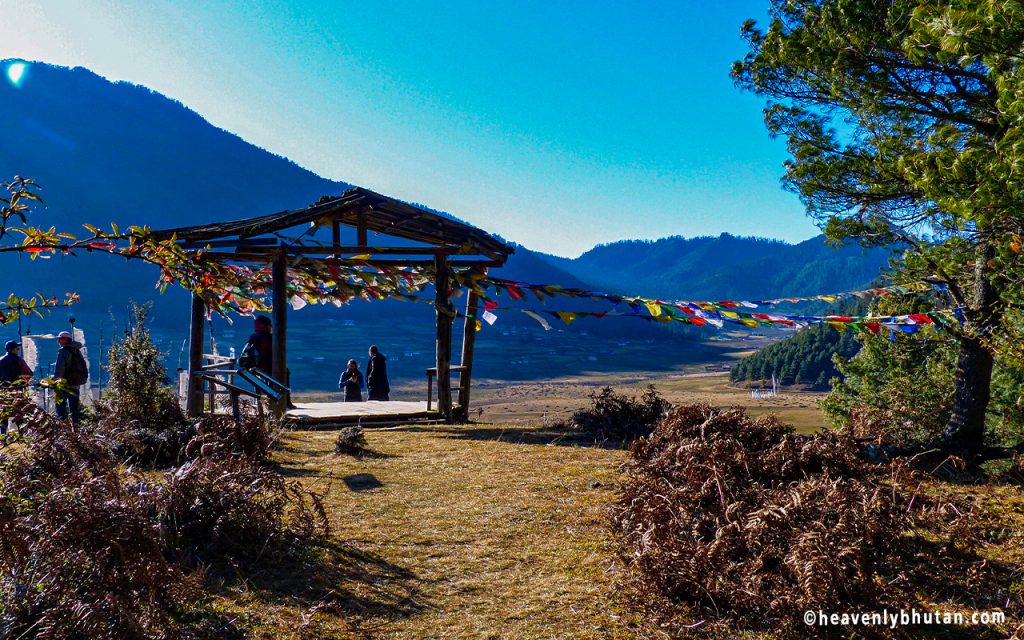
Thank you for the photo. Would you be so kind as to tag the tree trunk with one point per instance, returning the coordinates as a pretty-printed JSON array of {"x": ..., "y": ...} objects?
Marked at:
[{"x": 964, "y": 432}]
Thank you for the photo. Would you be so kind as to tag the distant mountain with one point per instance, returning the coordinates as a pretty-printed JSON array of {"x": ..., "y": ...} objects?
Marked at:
[{"x": 726, "y": 266}]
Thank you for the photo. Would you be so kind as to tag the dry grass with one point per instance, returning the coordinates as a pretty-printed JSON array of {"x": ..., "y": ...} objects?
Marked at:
[
  {"x": 479, "y": 531},
  {"x": 532, "y": 402},
  {"x": 498, "y": 531}
]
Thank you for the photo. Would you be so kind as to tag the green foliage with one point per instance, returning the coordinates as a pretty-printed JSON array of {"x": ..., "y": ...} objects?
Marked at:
[
  {"x": 803, "y": 358},
  {"x": 903, "y": 123},
  {"x": 901, "y": 392},
  {"x": 139, "y": 406},
  {"x": 898, "y": 390}
]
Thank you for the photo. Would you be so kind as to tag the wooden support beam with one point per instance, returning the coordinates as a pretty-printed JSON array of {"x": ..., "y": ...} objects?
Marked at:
[
  {"x": 361, "y": 229},
  {"x": 194, "y": 400},
  {"x": 336, "y": 238},
  {"x": 240, "y": 242},
  {"x": 445, "y": 316},
  {"x": 468, "y": 342},
  {"x": 343, "y": 250},
  {"x": 279, "y": 366}
]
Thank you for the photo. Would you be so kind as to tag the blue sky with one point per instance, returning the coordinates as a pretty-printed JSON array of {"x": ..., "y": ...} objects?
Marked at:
[{"x": 558, "y": 125}]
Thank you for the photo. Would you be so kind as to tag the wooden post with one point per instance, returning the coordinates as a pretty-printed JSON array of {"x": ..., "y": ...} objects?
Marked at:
[
  {"x": 336, "y": 236},
  {"x": 444, "y": 336},
  {"x": 361, "y": 230},
  {"x": 194, "y": 400},
  {"x": 468, "y": 342},
  {"x": 279, "y": 333}
]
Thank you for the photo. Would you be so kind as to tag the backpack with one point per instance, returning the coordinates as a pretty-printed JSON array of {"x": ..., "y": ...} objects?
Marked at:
[
  {"x": 249, "y": 357},
  {"x": 77, "y": 372}
]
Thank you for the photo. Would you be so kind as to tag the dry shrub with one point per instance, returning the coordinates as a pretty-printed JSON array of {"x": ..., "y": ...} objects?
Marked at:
[
  {"x": 250, "y": 437},
  {"x": 216, "y": 508},
  {"x": 91, "y": 549},
  {"x": 620, "y": 418},
  {"x": 350, "y": 440},
  {"x": 81, "y": 551},
  {"x": 750, "y": 523}
]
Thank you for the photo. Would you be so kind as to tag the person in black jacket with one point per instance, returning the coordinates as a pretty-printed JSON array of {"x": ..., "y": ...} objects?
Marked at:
[
  {"x": 377, "y": 387},
  {"x": 261, "y": 344},
  {"x": 12, "y": 367},
  {"x": 13, "y": 371},
  {"x": 352, "y": 382}
]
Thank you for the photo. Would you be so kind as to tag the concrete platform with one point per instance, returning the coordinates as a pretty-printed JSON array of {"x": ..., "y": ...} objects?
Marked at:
[{"x": 314, "y": 415}]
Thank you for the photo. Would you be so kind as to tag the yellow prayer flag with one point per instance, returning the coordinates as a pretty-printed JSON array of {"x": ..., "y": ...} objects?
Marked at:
[{"x": 654, "y": 308}]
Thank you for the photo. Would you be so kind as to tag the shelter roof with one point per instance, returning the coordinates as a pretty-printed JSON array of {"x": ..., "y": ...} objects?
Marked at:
[{"x": 356, "y": 207}]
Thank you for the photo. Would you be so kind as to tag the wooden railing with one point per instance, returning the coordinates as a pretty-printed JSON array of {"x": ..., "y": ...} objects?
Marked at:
[
  {"x": 432, "y": 373},
  {"x": 219, "y": 375}
]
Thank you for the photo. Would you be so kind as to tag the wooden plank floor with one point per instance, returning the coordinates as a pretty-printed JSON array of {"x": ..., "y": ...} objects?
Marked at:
[{"x": 340, "y": 413}]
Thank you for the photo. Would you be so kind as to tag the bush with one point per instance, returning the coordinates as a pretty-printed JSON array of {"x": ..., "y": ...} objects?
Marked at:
[
  {"x": 215, "y": 508},
  {"x": 251, "y": 437},
  {"x": 750, "y": 523},
  {"x": 350, "y": 440},
  {"x": 139, "y": 408},
  {"x": 90, "y": 549},
  {"x": 81, "y": 551},
  {"x": 620, "y": 418}
]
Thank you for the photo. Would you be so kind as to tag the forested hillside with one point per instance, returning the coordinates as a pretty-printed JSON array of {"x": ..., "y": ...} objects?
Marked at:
[
  {"x": 725, "y": 266},
  {"x": 804, "y": 358}
]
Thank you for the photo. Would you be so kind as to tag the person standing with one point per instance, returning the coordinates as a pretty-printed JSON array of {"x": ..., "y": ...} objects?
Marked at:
[
  {"x": 352, "y": 382},
  {"x": 14, "y": 371},
  {"x": 13, "y": 367},
  {"x": 377, "y": 387},
  {"x": 72, "y": 369},
  {"x": 260, "y": 345}
]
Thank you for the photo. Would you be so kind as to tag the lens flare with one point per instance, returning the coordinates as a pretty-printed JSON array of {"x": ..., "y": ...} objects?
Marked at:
[{"x": 16, "y": 72}]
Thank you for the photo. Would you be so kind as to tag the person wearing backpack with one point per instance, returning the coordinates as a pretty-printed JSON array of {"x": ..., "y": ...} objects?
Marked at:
[
  {"x": 73, "y": 370},
  {"x": 258, "y": 352}
]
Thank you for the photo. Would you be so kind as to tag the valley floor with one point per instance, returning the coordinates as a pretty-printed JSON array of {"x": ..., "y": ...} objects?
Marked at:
[{"x": 555, "y": 400}]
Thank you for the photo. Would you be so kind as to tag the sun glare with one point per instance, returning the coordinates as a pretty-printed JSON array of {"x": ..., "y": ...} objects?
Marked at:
[{"x": 16, "y": 72}]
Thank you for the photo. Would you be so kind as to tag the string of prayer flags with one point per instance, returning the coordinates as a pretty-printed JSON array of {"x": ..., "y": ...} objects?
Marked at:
[{"x": 658, "y": 308}]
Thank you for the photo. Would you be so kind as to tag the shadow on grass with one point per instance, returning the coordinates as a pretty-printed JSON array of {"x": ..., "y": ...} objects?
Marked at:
[
  {"x": 950, "y": 580},
  {"x": 327, "y": 577},
  {"x": 362, "y": 482}
]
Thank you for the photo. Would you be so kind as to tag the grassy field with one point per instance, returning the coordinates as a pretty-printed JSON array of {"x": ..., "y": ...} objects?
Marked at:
[
  {"x": 554, "y": 400},
  {"x": 478, "y": 531},
  {"x": 499, "y": 531}
]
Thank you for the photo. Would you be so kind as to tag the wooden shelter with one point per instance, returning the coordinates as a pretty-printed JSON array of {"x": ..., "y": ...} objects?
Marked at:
[{"x": 427, "y": 240}]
